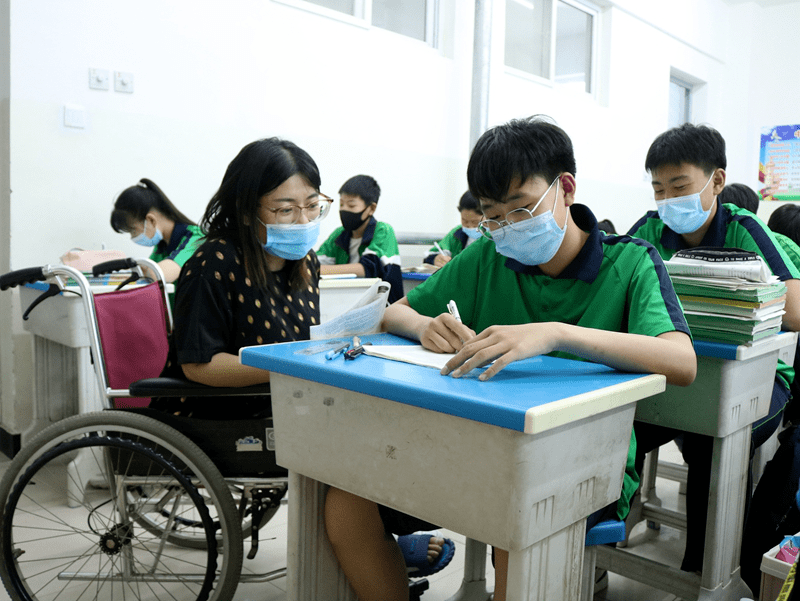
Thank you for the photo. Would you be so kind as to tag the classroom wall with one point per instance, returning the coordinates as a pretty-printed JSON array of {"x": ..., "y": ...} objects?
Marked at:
[
  {"x": 774, "y": 87},
  {"x": 210, "y": 78}
]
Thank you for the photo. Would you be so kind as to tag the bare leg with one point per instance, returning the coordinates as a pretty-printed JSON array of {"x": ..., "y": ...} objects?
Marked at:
[
  {"x": 500, "y": 574},
  {"x": 369, "y": 557}
]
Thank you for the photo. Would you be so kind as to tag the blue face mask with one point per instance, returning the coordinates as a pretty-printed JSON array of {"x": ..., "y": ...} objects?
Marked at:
[
  {"x": 684, "y": 214},
  {"x": 143, "y": 240},
  {"x": 471, "y": 232},
  {"x": 291, "y": 242},
  {"x": 533, "y": 241}
]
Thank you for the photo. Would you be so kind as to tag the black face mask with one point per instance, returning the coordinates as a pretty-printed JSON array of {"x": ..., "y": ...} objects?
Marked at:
[{"x": 351, "y": 220}]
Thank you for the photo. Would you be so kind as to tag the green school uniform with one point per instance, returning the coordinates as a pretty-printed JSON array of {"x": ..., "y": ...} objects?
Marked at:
[
  {"x": 378, "y": 252},
  {"x": 455, "y": 241},
  {"x": 731, "y": 227},
  {"x": 616, "y": 283},
  {"x": 184, "y": 241}
]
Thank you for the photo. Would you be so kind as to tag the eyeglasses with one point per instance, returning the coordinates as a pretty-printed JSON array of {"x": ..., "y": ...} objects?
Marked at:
[
  {"x": 315, "y": 211},
  {"x": 495, "y": 230}
]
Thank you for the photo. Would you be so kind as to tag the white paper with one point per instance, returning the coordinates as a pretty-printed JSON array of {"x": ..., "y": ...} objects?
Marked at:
[
  {"x": 364, "y": 317},
  {"x": 409, "y": 353},
  {"x": 755, "y": 270}
]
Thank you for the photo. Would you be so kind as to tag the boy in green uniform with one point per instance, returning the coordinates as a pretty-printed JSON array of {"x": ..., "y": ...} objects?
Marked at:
[
  {"x": 542, "y": 280},
  {"x": 460, "y": 236},
  {"x": 362, "y": 245},
  {"x": 687, "y": 165}
]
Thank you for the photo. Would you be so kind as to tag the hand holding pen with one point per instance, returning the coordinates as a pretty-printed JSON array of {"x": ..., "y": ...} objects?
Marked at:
[
  {"x": 443, "y": 257},
  {"x": 446, "y": 333}
]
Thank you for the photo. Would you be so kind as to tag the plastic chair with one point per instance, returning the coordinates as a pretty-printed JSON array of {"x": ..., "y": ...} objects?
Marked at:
[{"x": 610, "y": 531}]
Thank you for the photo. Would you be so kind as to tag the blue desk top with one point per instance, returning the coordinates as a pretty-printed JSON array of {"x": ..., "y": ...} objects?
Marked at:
[
  {"x": 503, "y": 401},
  {"x": 416, "y": 275}
]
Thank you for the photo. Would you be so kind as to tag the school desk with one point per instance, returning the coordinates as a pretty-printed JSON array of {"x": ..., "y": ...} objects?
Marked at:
[
  {"x": 518, "y": 462},
  {"x": 733, "y": 389},
  {"x": 412, "y": 279},
  {"x": 64, "y": 379}
]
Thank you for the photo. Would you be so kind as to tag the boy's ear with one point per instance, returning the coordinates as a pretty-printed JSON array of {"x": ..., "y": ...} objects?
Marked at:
[
  {"x": 718, "y": 181},
  {"x": 568, "y": 184}
]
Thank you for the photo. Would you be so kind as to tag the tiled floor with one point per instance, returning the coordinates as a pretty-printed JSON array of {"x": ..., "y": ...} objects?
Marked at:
[{"x": 666, "y": 546}]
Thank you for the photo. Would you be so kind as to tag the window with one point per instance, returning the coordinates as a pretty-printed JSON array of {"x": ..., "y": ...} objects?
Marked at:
[
  {"x": 680, "y": 102},
  {"x": 552, "y": 39},
  {"x": 412, "y": 18}
]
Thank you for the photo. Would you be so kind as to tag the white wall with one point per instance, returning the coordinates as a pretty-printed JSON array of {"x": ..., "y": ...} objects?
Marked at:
[{"x": 211, "y": 77}]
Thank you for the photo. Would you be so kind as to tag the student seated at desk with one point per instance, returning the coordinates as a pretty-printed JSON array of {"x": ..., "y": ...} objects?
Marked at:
[
  {"x": 687, "y": 165},
  {"x": 541, "y": 280},
  {"x": 145, "y": 212},
  {"x": 362, "y": 245},
  {"x": 255, "y": 280},
  {"x": 460, "y": 236}
]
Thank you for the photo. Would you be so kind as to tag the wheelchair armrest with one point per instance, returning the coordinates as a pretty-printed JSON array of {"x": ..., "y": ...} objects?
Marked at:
[{"x": 170, "y": 387}]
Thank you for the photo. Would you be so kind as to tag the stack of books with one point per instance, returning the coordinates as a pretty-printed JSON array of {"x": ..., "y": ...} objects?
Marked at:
[{"x": 728, "y": 295}]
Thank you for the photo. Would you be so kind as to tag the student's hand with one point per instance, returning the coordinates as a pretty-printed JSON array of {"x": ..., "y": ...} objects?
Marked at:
[
  {"x": 440, "y": 260},
  {"x": 445, "y": 334},
  {"x": 502, "y": 344}
]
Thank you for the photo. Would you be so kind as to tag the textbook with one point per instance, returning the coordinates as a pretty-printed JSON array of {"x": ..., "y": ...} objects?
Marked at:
[
  {"x": 719, "y": 263},
  {"x": 728, "y": 295}
]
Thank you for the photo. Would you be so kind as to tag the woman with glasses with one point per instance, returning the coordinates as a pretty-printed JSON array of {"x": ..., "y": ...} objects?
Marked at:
[{"x": 254, "y": 281}]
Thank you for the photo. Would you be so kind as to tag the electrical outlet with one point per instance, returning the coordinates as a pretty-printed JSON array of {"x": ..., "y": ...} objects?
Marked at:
[
  {"x": 98, "y": 79},
  {"x": 123, "y": 82}
]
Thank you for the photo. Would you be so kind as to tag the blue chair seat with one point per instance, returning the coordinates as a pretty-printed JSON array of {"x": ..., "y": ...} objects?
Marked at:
[{"x": 610, "y": 531}]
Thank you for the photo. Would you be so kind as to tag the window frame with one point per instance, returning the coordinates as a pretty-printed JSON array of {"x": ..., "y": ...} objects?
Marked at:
[
  {"x": 362, "y": 17},
  {"x": 590, "y": 9},
  {"x": 688, "y": 89}
]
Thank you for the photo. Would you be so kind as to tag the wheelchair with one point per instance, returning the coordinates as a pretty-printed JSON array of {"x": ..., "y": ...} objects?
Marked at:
[
  {"x": 158, "y": 506},
  {"x": 150, "y": 514}
]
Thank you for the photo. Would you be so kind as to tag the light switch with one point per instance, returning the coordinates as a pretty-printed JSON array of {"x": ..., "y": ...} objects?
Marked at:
[
  {"x": 123, "y": 82},
  {"x": 99, "y": 79},
  {"x": 74, "y": 116}
]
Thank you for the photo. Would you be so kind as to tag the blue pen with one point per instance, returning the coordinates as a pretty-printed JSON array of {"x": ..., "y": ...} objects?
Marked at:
[{"x": 332, "y": 354}]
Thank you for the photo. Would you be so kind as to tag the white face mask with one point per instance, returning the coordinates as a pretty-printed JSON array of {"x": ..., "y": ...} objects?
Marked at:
[{"x": 684, "y": 214}]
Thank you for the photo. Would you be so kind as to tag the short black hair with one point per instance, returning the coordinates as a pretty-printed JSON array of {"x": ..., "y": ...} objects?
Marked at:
[
  {"x": 698, "y": 145},
  {"x": 518, "y": 150},
  {"x": 741, "y": 196},
  {"x": 606, "y": 226},
  {"x": 786, "y": 220},
  {"x": 468, "y": 203},
  {"x": 364, "y": 186}
]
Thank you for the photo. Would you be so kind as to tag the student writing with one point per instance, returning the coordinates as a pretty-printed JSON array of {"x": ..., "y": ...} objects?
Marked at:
[
  {"x": 542, "y": 280},
  {"x": 145, "y": 212},
  {"x": 460, "y": 236}
]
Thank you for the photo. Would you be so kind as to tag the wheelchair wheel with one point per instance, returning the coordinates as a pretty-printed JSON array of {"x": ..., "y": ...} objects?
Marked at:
[
  {"x": 96, "y": 548},
  {"x": 187, "y": 530}
]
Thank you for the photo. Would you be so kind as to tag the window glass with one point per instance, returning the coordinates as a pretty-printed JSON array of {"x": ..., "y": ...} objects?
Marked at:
[
  {"x": 406, "y": 17},
  {"x": 573, "y": 47},
  {"x": 343, "y": 6},
  {"x": 680, "y": 107},
  {"x": 527, "y": 43}
]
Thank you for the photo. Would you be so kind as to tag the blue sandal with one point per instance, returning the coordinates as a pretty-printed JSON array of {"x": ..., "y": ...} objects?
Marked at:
[{"x": 415, "y": 552}]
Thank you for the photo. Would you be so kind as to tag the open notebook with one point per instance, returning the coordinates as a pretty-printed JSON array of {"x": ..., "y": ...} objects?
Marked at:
[{"x": 413, "y": 353}]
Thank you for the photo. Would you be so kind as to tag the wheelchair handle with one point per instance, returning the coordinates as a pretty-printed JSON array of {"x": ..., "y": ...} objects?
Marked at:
[
  {"x": 20, "y": 277},
  {"x": 111, "y": 266}
]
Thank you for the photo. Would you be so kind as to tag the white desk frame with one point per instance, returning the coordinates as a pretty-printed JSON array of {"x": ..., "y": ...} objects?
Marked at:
[
  {"x": 727, "y": 397},
  {"x": 526, "y": 493}
]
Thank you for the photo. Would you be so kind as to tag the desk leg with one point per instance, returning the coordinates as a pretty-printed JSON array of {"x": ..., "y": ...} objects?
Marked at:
[
  {"x": 549, "y": 570},
  {"x": 721, "y": 578},
  {"x": 473, "y": 585},
  {"x": 312, "y": 571}
]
